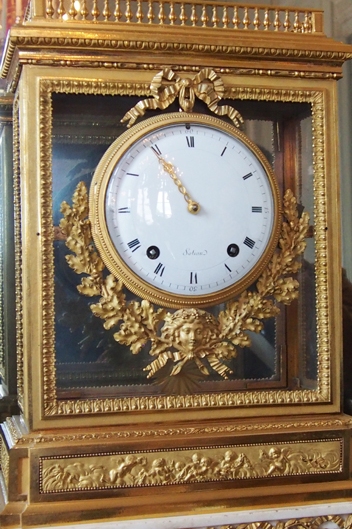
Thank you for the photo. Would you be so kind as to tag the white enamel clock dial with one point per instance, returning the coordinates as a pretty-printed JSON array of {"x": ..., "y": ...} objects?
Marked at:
[{"x": 145, "y": 226}]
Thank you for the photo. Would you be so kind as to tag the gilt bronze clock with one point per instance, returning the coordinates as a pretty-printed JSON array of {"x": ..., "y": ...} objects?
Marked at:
[{"x": 177, "y": 262}]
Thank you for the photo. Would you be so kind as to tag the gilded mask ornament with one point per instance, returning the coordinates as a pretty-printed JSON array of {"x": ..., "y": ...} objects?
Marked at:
[
  {"x": 192, "y": 335},
  {"x": 189, "y": 335}
]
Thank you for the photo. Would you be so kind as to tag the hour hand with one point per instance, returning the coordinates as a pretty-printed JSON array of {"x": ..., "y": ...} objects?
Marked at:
[{"x": 193, "y": 206}]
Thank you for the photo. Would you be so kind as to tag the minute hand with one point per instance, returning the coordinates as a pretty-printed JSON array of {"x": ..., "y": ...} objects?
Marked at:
[{"x": 193, "y": 207}]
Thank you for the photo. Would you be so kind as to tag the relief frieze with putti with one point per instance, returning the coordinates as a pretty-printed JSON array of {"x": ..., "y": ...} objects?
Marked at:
[{"x": 116, "y": 470}]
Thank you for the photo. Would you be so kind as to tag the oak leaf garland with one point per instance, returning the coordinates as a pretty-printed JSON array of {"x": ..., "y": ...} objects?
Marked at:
[
  {"x": 84, "y": 259},
  {"x": 139, "y": 322}
]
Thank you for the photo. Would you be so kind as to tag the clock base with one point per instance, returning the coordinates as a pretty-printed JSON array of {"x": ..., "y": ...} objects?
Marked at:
[{"x": 56, "y": 475}]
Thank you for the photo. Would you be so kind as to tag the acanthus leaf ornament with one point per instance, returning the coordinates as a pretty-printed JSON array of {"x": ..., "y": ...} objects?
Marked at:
[
  {"x": 167, "y": 85},
  {"x": 186, "y": 335}
]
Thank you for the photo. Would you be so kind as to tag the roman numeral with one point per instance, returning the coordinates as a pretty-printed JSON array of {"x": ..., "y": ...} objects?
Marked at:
[
  {"x": 190, "y": 141},
  {"x": 193, "y": 278},
  {"x": 228, "y": 268},
  {"x": 160, "y": 268},
  {"x": 248, "y": 242},
  {"x": 247, "y": 176},
  {"x": 257, "y": 209},
  {"x": 156, "y": 149},
  {"x": 135, "y": 244},
  {"x": 124, "y": 210}
]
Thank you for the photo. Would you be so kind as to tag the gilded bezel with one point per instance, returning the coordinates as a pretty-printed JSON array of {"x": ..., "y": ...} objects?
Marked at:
[{"x": 107, "y": 249}]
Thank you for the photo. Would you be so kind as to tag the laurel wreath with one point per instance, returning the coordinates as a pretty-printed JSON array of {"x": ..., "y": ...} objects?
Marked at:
[{"x": 139, "y": 322}]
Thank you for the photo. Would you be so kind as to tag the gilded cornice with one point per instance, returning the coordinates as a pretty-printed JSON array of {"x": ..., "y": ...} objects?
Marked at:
[
  {"x": 78, "y": 46},
  {"x": 235, "y": 429}
]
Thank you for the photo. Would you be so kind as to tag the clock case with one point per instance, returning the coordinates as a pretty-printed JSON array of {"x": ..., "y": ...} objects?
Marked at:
[{"x": 91, "y": 425}]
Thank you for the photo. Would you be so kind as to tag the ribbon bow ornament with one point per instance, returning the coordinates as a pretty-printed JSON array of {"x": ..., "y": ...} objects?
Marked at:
[{"x": 166, "y": 86}]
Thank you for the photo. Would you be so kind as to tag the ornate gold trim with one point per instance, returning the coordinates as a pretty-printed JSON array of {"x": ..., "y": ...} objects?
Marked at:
[
  {"x": 48, "y": 337},
  {"x": 108, "y": 65},
  {"x": 115, "y": 470},
  {"x": 157, "y": 433},
  {"x": 247, "y": 398},
  {"x": 294, "y": 523},
  {"x": 4, "y": 462},
  {"x": 320, "y": 213},
  {"x": 38, "y": 49},
  {"x": 18, "y": 252},
  {"x": 77, "y": 138},
  {"x": 218, "y": 400},
  {"x": 95, "y": 87},
  {"x": 87, "y": 43},
  {"x": 13, "y": 429}
]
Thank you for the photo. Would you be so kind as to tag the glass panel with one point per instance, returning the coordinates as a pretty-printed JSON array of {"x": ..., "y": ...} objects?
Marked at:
[
  {"x": 89, "y": 362},
  {"x": 307, "y": 306},
  {"x": 7, "y": 257}
]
